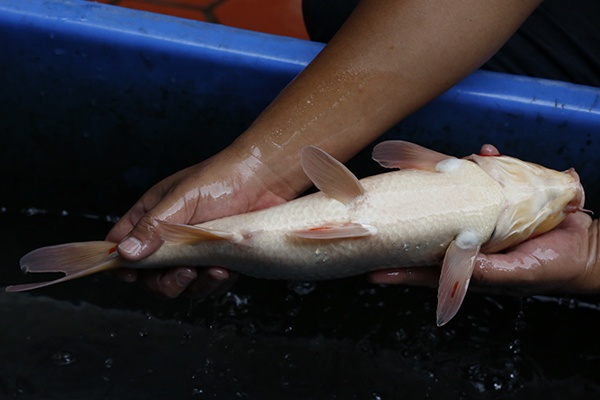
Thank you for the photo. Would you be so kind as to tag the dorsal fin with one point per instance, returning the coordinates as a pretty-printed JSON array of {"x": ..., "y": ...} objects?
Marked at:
[
  {"x": 406, "y": 155},
  {"x": 330, "y": 176}
]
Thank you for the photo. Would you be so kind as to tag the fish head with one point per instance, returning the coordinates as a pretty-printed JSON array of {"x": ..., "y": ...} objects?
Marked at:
[{"x": 537, "y": 199}]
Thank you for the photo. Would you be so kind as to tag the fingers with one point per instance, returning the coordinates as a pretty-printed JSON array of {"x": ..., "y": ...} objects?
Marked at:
[
  {"x": 519, "y": 273},
  {"x": 489, "y": 150},
  {"x": 136, "y": 232},
  {"x": 554, "y": 261},
  {"x": 211, "y": 281},
  {"x": 512, "y": 269},
  {"x": 169, "y": 283},
  {"x": 422, "y": 276},
  {"x": 172, "y": 283},
  {"x": 491, "y": 275},
  {"x": 125, "y": 274},
  {"x": 128, "y": 221}
]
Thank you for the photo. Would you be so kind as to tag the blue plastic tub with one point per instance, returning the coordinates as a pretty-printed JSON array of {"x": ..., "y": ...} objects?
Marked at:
[
  {"x": 133, "y": 96},
  {"x": 98, "y": 102}
]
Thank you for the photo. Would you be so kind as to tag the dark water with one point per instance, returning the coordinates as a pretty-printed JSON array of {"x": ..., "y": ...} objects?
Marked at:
[{"x": 98, "y": 338}]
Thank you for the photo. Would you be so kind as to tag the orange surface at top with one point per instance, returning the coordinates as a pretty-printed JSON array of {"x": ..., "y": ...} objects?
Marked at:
[{"x": 279, "y": 17}]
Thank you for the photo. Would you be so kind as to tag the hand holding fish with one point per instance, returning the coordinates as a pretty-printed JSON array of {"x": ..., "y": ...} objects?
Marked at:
[
  {"x": 208, "y": 190},
  {"x": 566, "y": 259}
]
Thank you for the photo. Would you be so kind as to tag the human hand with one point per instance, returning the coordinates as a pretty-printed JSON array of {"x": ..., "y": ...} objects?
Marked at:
[
  {"x": 564, "y": 259},
  {"x": 222, "y": 185}
]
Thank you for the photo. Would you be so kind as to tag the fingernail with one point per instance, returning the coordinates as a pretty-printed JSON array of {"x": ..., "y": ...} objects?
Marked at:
[
  {"x": 218, "y": 274},
  {"x": 184, "y": 278},
  {"x": 131, "y": 246}
]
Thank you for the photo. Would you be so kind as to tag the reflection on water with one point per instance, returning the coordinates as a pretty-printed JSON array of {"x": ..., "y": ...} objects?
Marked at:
[{"x": 97, "y": 338}]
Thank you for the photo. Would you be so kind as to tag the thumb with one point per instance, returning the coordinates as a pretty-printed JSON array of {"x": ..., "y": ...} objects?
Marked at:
[
  {"x": 142, "y": 241},
  {"x": 138, "y": 229}
]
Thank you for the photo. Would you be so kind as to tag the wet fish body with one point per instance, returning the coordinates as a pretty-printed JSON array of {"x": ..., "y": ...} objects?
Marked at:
[
  {"x": 436, "y": 208},
  {"x": 404, "y": 219}
]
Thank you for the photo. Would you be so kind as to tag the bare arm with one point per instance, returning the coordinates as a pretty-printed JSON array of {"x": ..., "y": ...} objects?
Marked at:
[{"x": 389, "y": 59}]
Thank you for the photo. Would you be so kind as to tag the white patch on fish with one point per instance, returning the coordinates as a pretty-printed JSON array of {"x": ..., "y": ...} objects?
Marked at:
[{"x": 436, "y": 209}]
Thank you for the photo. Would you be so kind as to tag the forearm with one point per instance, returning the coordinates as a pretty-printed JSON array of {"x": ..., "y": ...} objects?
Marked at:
[{"x": 389, "y": 59}]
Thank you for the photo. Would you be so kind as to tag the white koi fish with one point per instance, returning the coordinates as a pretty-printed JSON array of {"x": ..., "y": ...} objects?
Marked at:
[{"x": 436, "y": 209}]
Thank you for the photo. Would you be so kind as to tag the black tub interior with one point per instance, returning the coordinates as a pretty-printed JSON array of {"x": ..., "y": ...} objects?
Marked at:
[
  {"x": 88, "y": 122},
  {"x": 98, "y": 338}
]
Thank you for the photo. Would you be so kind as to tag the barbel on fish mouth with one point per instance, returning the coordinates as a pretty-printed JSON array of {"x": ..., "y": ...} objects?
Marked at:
[{"x": 435, "y": 209}]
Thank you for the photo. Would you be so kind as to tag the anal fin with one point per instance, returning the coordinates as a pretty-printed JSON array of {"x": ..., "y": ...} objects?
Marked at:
[
  {"x": 335, "y": 231},
  {"x": 179, "y": 233}
]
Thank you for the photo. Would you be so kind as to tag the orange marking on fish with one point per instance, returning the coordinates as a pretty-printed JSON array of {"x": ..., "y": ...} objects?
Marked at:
[
  {"x": 112, "y": 250},
  {"x": 454, "y": 289}
]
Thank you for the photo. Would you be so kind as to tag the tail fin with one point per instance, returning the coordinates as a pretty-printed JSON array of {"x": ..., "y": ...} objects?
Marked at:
[{"x": 75, "y": 260}]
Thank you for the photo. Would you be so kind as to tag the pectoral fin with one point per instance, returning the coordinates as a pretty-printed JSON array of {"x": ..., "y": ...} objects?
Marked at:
[
  {"x": 330, "y": 176},
  {"x": 457, "y": 269},
  {"x": 406, "y": 155}
]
